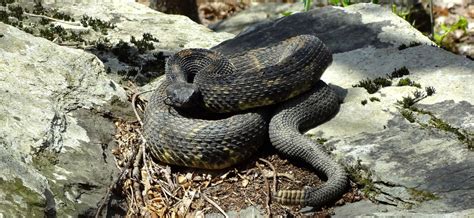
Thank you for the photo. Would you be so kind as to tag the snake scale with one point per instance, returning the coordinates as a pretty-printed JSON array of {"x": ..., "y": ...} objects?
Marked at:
[{"x": 214, "y": 111}]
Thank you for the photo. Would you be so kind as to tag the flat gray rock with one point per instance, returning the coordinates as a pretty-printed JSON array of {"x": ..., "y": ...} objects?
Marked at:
[{"x": 420, "y": 165}]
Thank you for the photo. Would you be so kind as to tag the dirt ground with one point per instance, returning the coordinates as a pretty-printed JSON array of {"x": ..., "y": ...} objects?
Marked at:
[{"x": 157, "y": 190}]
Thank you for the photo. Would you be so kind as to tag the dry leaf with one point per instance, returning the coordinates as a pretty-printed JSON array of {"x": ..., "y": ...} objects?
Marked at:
[
  {"x": 182, "y": 179},
  {"x": 245, "y": 182}
]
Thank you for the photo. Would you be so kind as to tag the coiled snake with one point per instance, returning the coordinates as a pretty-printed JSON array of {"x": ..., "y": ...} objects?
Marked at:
[{"x": 214, "y": 111}]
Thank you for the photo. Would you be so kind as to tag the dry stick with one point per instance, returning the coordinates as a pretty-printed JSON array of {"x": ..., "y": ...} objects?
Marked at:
[
  {"x": 267, "y": 202},
  {"x": 134, "y": 96},
  {"x": 215, "y": 205},
  {"x": 53, "y": 19},
  {"x": 286, "y": 175},
  {"x": 274, "y": 173},
  {"x": 137, "y": 178}
]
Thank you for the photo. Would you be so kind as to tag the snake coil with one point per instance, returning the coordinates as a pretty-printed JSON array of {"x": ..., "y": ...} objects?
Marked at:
[{"x": 213, "y": 111}]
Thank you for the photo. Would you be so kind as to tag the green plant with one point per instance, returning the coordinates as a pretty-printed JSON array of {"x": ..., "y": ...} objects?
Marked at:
[
  {"x": 286, "y": 13},
  {"x": 408, "y": 115},
  {"x": 5, "y": 2},
  {"x": 403, "y": 13},
  {"x": 307, "y": 4},
  {"x": 461, "y": 24},
  {"x": 430, "y": 90},
  {"x": 373, "y": 86},
  {"x": 321, "y": 140},
  {"x": 343, "y": 3},
  {"x": 408, "y": 82}
]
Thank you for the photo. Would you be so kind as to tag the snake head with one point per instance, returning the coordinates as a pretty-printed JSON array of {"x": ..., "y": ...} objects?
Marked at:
[{"x": 183, "y": 95}]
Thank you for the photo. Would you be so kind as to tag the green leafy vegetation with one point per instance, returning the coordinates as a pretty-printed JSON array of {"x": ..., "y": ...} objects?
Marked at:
[
  {"x": 363, "y": 102},
  {"x": 408, "y": 82},
  {"x": 144, "y": 44},
  {"x": 321, "y": 140},
  {"x": 362, "y": 177},
  {"x": 461, "y": 24},
  {"x": 403, "y": 13},
  {"x": 342, "y": 3},
  {"x": 408, "y": 115},
  {"x": 307, "y": 4},
  {"x": 421, "y": 196},
  {"x": 374, "y": 85},
  {"x": 398, "y": 73},
  {"x": 96, "y": 24},
  {"x": 286, "y": 13},
  {"x": 408, "y": 111}
]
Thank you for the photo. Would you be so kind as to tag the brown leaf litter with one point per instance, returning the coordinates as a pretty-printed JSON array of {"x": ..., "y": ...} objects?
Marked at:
[{"x": 157, "y": 190}]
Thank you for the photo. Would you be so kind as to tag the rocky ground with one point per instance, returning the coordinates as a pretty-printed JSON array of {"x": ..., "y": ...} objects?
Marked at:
[{"x": 71, "y": 142}]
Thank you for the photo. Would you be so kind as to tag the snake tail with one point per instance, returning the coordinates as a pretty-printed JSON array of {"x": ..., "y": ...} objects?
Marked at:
[{"x": 314, "y": 107}]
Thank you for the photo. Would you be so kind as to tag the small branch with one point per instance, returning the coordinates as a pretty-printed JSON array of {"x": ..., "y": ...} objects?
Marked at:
[
  {"x": 267, "y": 185},
  {"x": 285, "y": 175},
  {"x": 53, "y": 19},
  {"x": 215, "y": 205},
  {"x": 274, "y": 173},
  {"x": 134, "y": 96}
]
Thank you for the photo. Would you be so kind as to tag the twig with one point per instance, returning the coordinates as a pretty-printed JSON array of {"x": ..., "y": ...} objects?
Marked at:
[
  {"x": 267, "y": 201},
  {"x": 215, "y": 205},
  {"x": 274, "y": 173},
  {"x": 286, "y": 175},
  {"x": 53, "y": 19},
  {"x": 136, "y": 175},
  {"x": 134, "y": 96}
]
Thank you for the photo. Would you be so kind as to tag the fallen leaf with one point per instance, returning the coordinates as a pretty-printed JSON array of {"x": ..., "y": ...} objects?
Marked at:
[{"x": 245, "y": 182}]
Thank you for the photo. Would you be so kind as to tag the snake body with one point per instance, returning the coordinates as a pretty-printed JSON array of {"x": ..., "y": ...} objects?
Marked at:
[{"x": 219, "y": 108}]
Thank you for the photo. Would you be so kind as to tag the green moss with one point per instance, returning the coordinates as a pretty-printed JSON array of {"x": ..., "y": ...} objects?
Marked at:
[
  {"x": 13, "y": 190},
  {"x": 462, "y": 135},
  {"x": 361, "y": 176},
  {"x": 5, "y": 2},
  {"x": 96, "y": 24},
  {"x": 145, "y": 43},
  {"x": 16, "y": 11},
  {"x": 382, "y": 82},
  {"x": 4, "y": 17},
  {"x": 397, "y": 73},
  {"x": 408, "y": 115},
  {"x": 321, "y": 140},
  {"x": 406, "y": 102},
  {"x": 421, "y": 196},
  {"x": 61, "y": 16},
  {"x": 373, "y": 86},
  {"x": 39, "y": 9},
  {"x": 408, "y": 82}
]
